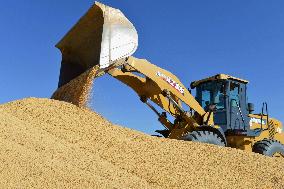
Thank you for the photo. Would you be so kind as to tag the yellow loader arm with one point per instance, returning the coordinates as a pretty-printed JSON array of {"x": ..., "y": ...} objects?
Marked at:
[{"x": 164, "y": 89}]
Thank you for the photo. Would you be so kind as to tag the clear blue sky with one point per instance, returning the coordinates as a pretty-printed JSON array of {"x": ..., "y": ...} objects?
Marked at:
[{"x": 193, "y": 39}]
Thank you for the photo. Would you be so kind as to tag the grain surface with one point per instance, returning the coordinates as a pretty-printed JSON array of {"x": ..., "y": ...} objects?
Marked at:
[{"x": 52, "y": 144}]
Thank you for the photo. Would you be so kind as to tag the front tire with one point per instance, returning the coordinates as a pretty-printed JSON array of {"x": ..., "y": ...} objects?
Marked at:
[
  {"x": 204, "y": 137},
  {"x": 269, "y": 147}
]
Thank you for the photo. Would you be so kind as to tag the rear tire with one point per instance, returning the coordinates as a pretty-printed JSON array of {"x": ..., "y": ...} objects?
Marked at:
[
  {"x": 269, "y": 147},
  {"x": 204, "y": 137}
]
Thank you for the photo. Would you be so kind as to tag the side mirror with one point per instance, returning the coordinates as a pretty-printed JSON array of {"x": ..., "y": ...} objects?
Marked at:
[{"x": 250, "y": 108}]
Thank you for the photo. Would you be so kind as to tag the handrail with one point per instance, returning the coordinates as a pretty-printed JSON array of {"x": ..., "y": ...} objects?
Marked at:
[{"x": 262, "y": 113}]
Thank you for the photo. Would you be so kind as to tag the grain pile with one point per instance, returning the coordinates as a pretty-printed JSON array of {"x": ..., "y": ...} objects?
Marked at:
[{"x": 52, "y": 144}]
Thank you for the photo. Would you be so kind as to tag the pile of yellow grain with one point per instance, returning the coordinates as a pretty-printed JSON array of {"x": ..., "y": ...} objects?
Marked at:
[{"x": 51, "y": 144}]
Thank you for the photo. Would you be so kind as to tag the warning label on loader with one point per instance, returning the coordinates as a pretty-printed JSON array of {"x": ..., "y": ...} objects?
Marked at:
[
  {"x": 171, "y": 82},
  {"x": 257, "y": 121}
]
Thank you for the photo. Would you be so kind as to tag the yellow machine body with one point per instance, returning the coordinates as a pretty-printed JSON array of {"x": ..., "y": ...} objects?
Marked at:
[{"x": 103, "y": 41}]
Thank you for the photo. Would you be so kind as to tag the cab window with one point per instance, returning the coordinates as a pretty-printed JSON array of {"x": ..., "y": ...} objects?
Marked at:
[{"x": 212, "y": 92}]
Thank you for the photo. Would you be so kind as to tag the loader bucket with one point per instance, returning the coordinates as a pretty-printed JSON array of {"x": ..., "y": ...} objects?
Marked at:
[{"x": 102, "y": 36}]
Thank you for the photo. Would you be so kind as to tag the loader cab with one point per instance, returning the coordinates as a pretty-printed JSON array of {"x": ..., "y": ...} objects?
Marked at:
[{"x": 228, "y": 94}]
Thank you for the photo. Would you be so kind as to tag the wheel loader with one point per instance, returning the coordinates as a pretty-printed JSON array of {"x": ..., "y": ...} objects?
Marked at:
[{"x": 104, "y": 40}]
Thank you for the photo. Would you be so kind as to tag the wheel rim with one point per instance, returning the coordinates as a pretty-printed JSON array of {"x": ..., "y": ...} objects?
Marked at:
[{"x": 278, "y": 155}]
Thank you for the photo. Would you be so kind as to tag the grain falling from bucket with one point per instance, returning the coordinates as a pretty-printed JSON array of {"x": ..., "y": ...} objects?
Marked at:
[{"x": 77, "y": 91}]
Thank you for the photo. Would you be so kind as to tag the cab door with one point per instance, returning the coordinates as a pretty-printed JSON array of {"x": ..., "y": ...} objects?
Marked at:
[{"x": 237, "y": 120}]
